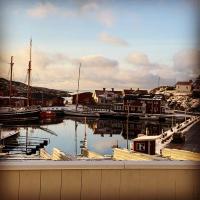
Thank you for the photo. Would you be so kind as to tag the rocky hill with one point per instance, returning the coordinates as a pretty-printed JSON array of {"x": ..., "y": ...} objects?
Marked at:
[
  {"x": 21, "y": 89},
  {"x": 181, "y": 101}
]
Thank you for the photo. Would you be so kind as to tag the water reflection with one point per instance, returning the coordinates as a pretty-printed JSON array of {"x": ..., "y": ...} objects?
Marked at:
[{"x": 100, "y": 135}]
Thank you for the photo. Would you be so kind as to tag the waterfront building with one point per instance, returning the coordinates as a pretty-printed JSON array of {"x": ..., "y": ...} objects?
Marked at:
[
  {"x": 137, "y": 103},
  {"x": 16, "y": 101},
  {"x": 84, "y": 98},
  {"x": 184, "y": 86},
  {"x": 145, "y": 144},
  {"x": 111, "y": 127},
  {"x": 196, "y": 88},
  {"x": 128, "y": 91},
  {"x": 107, "y": 96},
  {"x": 46, "y": 100},
  {"x": 135, "y": 92}
]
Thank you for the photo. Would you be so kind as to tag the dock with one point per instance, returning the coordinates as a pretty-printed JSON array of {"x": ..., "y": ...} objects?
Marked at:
[
  {"x": 154, "y": 144},
  {"x": 125, "y": 154},
  {"x": 177, "y": 154}
]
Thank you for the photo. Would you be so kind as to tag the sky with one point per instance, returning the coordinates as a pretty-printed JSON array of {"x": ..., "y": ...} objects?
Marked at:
[{"x": 119, "y": 43}]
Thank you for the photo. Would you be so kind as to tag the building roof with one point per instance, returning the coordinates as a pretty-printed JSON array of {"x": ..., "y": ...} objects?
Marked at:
[
  {"x": 128, "y": 91},
  {"x": 144, "y": 97},
  {"x": 131, "y": 96},
  {"x": 184, "y": 83},
  {"x": 138, "y": 91},
  {"x": 84, "y": 94},
  {"x": 147, "y": 137},
  {"x": 13, "y": 97},
  {"x": 101, "y": 92}
]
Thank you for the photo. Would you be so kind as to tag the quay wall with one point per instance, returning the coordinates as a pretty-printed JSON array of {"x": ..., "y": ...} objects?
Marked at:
[{"x": 120, "y": 180}]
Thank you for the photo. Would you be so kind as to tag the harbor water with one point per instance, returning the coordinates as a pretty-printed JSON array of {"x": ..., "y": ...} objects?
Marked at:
[{"x": 67, "y": 133}]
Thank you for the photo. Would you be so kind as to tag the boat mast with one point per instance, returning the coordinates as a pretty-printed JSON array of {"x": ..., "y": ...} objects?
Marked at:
[
  {"x": 78, "y": 86},
  {"x": 85, "y": 136},
  {"x": 76, "y": 125},
  {"x": 127, "y": 122},
  {"x": 11, "y": 76},
  {"x": 29, "y": 76}
]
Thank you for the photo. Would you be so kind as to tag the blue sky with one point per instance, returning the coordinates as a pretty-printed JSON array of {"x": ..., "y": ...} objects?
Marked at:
[{"x": 120, "y": 44}]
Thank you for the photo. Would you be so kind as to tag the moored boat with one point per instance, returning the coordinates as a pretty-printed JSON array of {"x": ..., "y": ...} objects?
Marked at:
[
  {"x": 8, "y": 113},
  {"x": 21, "y": 113},
  {"x": 81, "y": 113},
  {"x": 59, "y": 111},
  {"x": 47, "y": 114}
]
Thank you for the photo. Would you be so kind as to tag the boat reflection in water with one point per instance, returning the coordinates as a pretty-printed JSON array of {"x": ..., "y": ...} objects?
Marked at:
[
  {"x": 66, "y": 133},
  {"x": 26, "y": 141}
]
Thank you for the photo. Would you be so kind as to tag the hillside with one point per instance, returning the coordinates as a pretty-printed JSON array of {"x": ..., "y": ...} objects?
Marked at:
[
  {"x": 181, "y": 101},
  {"x": 21, "y": 89}
]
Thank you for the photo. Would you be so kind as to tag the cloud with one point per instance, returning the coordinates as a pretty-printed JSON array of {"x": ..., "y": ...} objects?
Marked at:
[
  {"x": 106, "y": 17},
  {"x": 147, "y": 73},
  {"x": 98, "y": 7},
  {"x": 42, "y": 10},
  {"x": 186, "y": 65},
  {"x": 60, "y": 71},
  {"x": 89, "y": 7},
  {"x": 82, "y": 9},
  {"x": 48, "y": 70},
  {"x": 97, "y": 71},
  {"x": 98, "y": 61},
  {"x": 187, "y": 62},
  {"x": 113, "y": 40},
  {"x": 102, "y": 145},
  {"x": 137, "y": 58}
]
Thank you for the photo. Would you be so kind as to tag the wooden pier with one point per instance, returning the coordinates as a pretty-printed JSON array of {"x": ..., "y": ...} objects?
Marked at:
[
  {"x": 142, "y": 144},
  {"x": 177, "y": 154}
]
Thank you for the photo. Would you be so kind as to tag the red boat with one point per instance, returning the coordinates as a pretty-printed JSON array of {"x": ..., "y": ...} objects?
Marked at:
[{"x": 47, "y": 114}]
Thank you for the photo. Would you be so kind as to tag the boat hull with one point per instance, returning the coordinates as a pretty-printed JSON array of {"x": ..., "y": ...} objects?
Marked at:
[
  {"x": 80, "y": 114},
  {"x": 47, "y": 114},
  {"x": 19, "y": 115}
]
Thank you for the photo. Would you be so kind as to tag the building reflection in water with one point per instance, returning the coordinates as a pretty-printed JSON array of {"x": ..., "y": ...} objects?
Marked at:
[{"x": 119, "y": 127}]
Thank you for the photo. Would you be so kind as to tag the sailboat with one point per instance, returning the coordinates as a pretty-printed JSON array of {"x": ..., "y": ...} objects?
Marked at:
[
  {"x": 76, "y": 112},
  {"x": 22, "y": 113}
]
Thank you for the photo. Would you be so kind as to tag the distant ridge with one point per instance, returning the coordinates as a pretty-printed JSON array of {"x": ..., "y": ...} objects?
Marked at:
[{"x": 21, "y": 88}]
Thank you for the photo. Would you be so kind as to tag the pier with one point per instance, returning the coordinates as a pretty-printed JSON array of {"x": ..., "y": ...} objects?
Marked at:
[{"x": 154, "y": 144}]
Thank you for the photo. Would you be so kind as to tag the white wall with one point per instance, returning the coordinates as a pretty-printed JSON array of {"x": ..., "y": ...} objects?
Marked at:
[
  {"x": 183, "y": 88},
  {"x": 99, "y": 180}
]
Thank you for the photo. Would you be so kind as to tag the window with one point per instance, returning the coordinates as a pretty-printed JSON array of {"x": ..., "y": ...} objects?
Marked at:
[
  {"x": 140, "y": 146},
  {"x": 119, "y": 107}
]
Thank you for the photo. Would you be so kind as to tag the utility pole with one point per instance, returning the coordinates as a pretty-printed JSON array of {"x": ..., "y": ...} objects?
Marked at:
[
  {"x": 11, "y": 76},
  {"x": 29, "y": 76},
  {"x": 158, "y": 81}
]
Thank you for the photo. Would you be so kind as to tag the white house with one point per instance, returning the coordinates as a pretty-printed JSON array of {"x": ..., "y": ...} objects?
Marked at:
[
  {"x": 107, "y": 96},
  {"x": 184, "y": 86}
]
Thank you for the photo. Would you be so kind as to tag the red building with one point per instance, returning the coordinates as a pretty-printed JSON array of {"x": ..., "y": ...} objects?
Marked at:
[
  {"x": 46, "y": 100},
  {"x": 84, "y": 98},
  {"x": 145, "y": 144},
  {"x": 15, "y": 101},
  {"x": 136, "y": 103}
]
